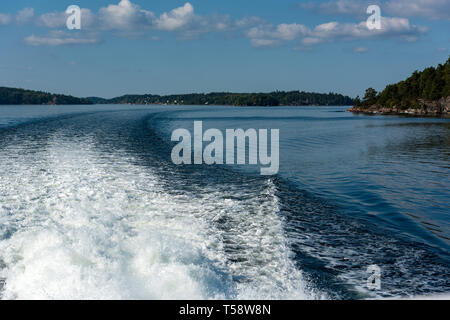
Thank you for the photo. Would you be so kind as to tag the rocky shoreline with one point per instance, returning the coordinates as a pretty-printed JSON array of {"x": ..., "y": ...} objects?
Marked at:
[{"x": 438, "y": 108}]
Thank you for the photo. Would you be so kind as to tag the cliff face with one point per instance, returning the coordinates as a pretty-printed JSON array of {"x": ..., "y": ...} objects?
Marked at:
[{"x": 438, "y": 108}]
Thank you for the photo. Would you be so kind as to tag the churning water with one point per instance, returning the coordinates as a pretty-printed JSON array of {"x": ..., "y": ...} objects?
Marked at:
[{"x": 91, "y": 206}]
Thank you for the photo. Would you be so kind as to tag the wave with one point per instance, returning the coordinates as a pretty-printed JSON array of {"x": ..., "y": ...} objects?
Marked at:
[
  {"x": 93, "y": 208},
  {"x": 82, "y": 217}
]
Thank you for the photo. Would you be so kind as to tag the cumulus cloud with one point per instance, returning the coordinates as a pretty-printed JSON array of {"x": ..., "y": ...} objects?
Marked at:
[
  {"x": 264, "y": 42},
  {"x": 58, "y": 38},
  {"x": 346, "y": 7},
  {"x": 5, "y": 19},
  {"x": 176, "y": 18},
  {"x": 187, "y": 24},
  {"x": 360, "y": 49},
  {"x": 283, "y": 31},
  {"x": 130, "y": 19},
  {"x": 125, "y": 16},
  {"x": 391, "y": 27},
  {"x": 57, "y": 19},
  {"x": 25, "y": 15},
  {"x": 269, "y": 35},
  {"x": 53, "y": 19},
  {"x": 431, "y": 9}
]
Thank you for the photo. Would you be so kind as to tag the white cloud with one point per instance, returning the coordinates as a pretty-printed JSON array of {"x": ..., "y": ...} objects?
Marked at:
[
  {"x": 309, "y": 41},
  {"x": 291, "y": 31},
  {"x": 360, "y": 49},
  {"x": 269, "y": 35},
  {"x": 5, "y": 19},
  {"x": 131, "y": 20},
  {"x": 53, "y": 19},
  {"x": 57, "y": 20},
  {"x": 391, "y": 28},
  {"x": 59, "y": 38},
  {"x": 264, "y": 43},
  {"x": 125, "y": 16},
  {"x": 176, "y": 18},
  {"x": 248, "y": 22},
  {"x": 130, "y": 17},
  {"x": 347, "y": 7},
  {"x": 25, "y": 15},
  {"x": 431, "y": 9}
]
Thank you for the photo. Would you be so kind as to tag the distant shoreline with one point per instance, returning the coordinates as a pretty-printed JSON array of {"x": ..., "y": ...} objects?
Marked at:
[{"x": 14, "y": 96}]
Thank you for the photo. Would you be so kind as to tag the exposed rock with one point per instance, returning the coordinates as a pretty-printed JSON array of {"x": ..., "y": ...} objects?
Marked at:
[{"x": 438, "y": 108}]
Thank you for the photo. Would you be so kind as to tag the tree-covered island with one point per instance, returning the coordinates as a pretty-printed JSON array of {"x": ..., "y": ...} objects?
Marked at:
[
  {"x": 12, "y": 96},
  {"x": 425, "y": 93}
]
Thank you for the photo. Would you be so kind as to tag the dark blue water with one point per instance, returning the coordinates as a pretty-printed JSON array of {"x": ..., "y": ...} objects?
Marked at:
[{"x": 91, "y": 206}]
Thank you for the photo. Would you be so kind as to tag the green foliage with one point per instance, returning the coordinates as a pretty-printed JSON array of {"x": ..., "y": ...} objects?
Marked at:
[
  {"x": 370, "y": 96},
  {"x": 430, "y": 84},
  {"x": 278, "y": 98},
  {"x": 21, "y": 96}
]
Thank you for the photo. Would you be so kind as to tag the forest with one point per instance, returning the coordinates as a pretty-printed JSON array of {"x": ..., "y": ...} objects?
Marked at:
[
  {"x": 277, "y": 98},
  {"x": 13, "y": 96},
  {"x": 431, "y": 84}
]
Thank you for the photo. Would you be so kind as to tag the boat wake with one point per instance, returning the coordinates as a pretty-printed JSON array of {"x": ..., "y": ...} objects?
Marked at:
[
  {"x": 82, "y": 217},
  {"x": 91, "y": 207}
]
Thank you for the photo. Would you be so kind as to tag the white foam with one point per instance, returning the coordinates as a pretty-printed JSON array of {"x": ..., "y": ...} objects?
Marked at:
[{"x": 81, "y": 224}]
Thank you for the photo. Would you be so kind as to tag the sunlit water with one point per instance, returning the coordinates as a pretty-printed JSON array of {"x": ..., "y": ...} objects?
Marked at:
[{"x": 91, "y": 206}]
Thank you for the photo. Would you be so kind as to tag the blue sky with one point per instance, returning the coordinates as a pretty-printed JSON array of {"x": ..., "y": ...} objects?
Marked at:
[{"x": 162, "y": 47}]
